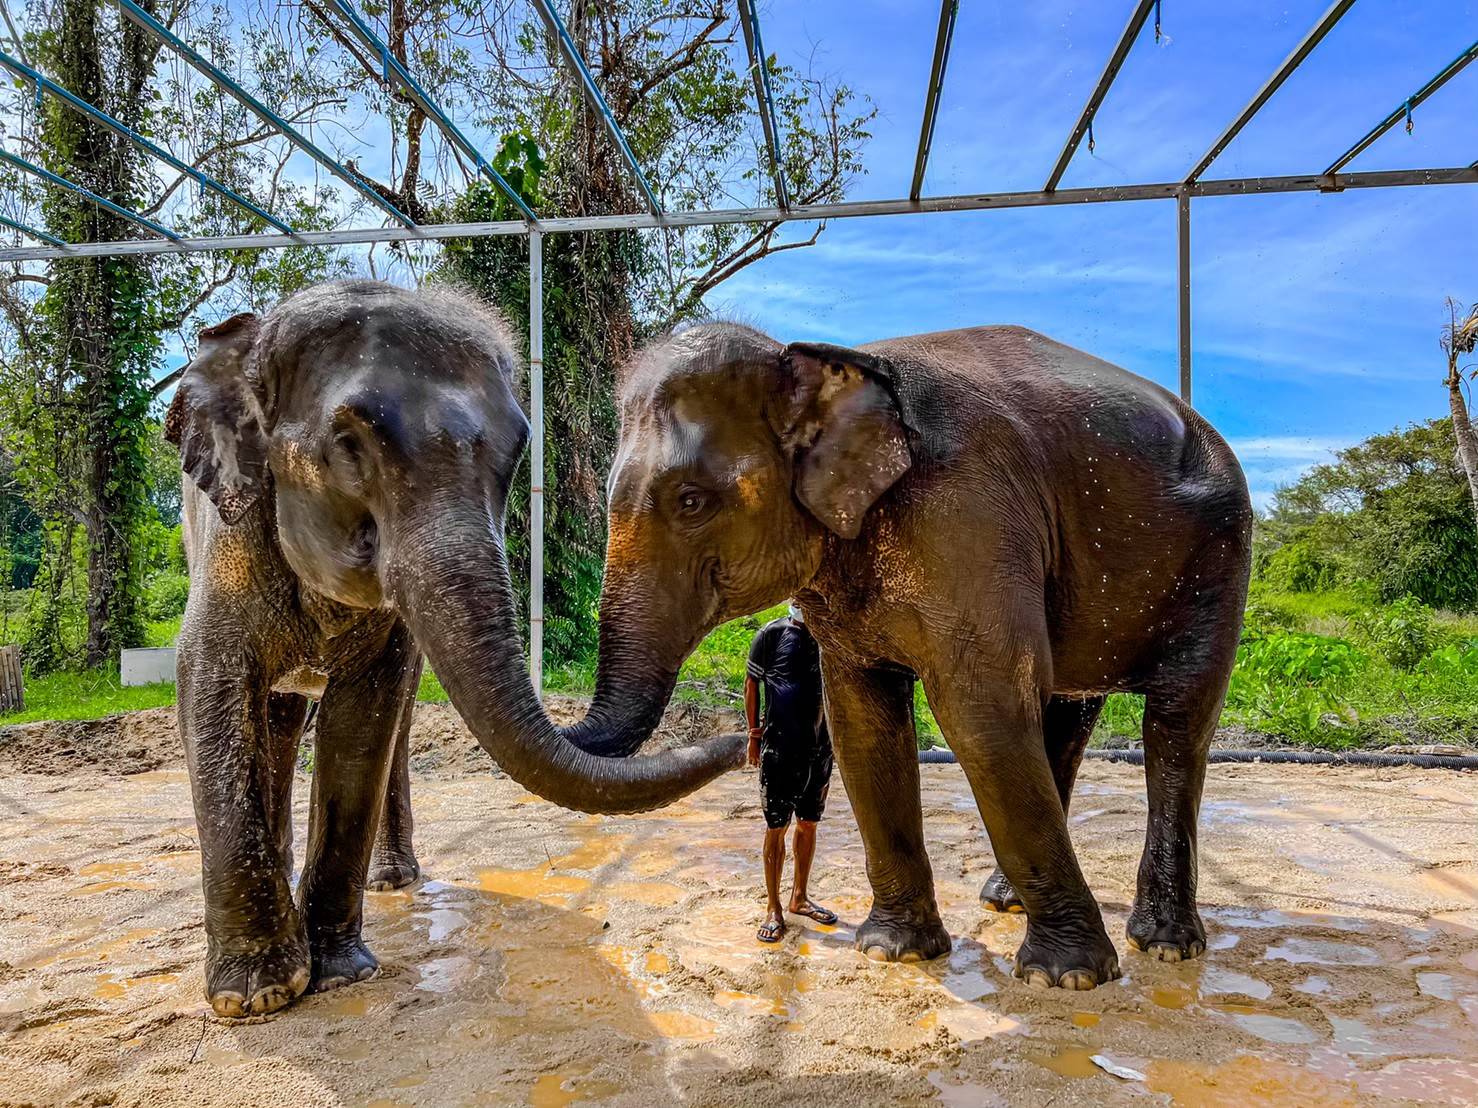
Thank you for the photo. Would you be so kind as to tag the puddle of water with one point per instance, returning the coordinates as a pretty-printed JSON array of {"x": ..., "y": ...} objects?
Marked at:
[
  {"x": 682, "y": 1025},
  {"x": 1246, "y": 1080},
  {"x": 110, "y": 986},
  {"x": 1438, "y": 985},
  {"x": 1321, "y": 952},
  {"x": 750, "y": 1004},
  {"x": 658, "y": 963},
  {"x": 442, "y": 975},
  {"x": 1274, "y": 1029},
  {"x": 1313, "y": 986},
  {"x": 1068, "y": 1061},
  {"x": 102, "y": 951},
  {"x": 1178, "y": 996},
  {"x": 1216, "y": 981},
  {"x": 965, "y": 1094},
  {"x": 598, "y": 849},
  {"x": 532, "y": 884},
  {"x": 109, "y": 886},
  {"x": 110, "y": 869},
  {"x": 1430, "y": 1080},
  {"x": 1085, "y": 1019},
  {"x": 554, "y": 1090}
]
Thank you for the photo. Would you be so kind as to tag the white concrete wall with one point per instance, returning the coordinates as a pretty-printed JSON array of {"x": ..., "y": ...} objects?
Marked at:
[{"x": 144, "y": 667}]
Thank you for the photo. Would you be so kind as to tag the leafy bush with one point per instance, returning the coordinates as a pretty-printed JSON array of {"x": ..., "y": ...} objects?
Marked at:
[
  {"x": 1402, "y": 633},
  {"x": 1294, "y": 658},
  {"x": 1303, "y": 565},
  {"x": 165, "y": 595}
]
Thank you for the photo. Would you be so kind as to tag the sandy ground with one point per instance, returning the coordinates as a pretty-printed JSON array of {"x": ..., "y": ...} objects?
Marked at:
[{"x": 552, "y": 958}]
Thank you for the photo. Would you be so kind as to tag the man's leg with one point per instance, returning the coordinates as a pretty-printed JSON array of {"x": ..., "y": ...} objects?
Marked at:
[
  {"x": 808, "y": 810},
  {"x": 774, "y": 926}
]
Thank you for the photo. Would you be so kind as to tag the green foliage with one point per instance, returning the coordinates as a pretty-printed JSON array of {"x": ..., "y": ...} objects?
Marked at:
[
  {"x": 1393, "y": 511},
  {"x": 1403, "y": 633},
  {"x": 165, "y": 595}
]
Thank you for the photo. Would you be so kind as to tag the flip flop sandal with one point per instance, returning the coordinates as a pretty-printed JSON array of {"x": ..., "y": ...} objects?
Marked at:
[
  {"x": 771, "y": 931},
  {"x": 814, "y": 911}
]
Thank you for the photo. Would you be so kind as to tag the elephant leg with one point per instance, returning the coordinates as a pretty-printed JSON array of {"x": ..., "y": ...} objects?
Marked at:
[
  {"x": 393, "y": 864},
  {"x": 286, "y": 714},
  {"x": 1067, "y": 725},
  {"x": 241, "y": 778},
  {"x": 870, "y": 714},
  {"x": 357, "y": 725},
  {"x": 994, "y": 725},
  {"x": 1178, "y": 728}
]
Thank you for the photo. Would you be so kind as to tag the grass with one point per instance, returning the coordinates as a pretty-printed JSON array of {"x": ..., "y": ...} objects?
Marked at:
[{"x": 1308, "y": 675}]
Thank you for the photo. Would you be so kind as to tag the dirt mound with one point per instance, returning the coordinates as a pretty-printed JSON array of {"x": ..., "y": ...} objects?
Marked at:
[{"x": 441, "y": 746}]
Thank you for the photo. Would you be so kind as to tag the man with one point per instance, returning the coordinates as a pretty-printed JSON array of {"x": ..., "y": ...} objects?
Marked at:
[{"x": 793, "y": 752}]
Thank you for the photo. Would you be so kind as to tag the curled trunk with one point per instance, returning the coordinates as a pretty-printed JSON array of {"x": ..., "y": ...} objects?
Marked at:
[{"x": 455, "y": 595}]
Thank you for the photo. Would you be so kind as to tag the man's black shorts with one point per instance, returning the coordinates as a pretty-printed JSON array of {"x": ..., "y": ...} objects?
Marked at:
[{"x": 794, "y": 777}]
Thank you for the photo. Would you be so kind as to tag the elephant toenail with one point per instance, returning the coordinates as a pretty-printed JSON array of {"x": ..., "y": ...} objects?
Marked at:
[
  {"x": 877, "y": 953},
  {"x": 228, "y": 1005},
  {"x": 911, "y": 956},
  {"x": 1077, "y": 980},
  {"x": 1166, "y": 953},
  {"x": 1038, "y": 979}
]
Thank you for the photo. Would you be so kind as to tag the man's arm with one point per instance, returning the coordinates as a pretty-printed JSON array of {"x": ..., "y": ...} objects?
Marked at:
[{"x": 752, "y": 714}]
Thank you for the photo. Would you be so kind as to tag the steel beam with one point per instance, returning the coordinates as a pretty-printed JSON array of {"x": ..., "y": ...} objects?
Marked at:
[
  {"x": 759, "y": 68},
  {"x": 101, "y": 201},
  {"x": 1142, "y": 9},
  {"x": 1237, "y": 186},
  {"x": 1295, "y": 58},
  {"x": 1451, "y": 70},
  {"x": 1183, "y": 271},
  {"x": 396, "y": 72},
  {"x": 31, "y": 232},
  {"x": 571, "y": 54},
  {"x": 948, "y": 10},
  {"x": 46, "y": 84},
  {"x": 218, "y": 77},
  {"x": 536, "y": 461}
]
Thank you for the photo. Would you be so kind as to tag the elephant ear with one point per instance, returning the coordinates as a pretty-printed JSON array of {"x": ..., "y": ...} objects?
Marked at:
[
  {"x": 846, "y": 431},
  {"x": 216, "y": 420}
]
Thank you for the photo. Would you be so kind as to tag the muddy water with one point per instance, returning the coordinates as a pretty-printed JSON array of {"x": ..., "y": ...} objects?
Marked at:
[{"x": 554, "y": 959}]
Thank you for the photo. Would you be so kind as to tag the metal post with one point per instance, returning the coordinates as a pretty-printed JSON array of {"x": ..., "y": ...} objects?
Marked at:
[
  {"x": 1183, "y": 266},
  {"x": 536, "y": 461}
]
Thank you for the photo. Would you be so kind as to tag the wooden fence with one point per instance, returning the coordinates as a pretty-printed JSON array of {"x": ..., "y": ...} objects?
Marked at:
[{"x": 12, "y": 689}]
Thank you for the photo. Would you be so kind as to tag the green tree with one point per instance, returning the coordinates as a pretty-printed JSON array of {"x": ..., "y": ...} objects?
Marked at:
[{"x": 1393, "y": 510}]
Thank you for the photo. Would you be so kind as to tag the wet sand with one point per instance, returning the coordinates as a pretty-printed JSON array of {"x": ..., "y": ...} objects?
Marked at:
[{"x": 552, "y": 958}]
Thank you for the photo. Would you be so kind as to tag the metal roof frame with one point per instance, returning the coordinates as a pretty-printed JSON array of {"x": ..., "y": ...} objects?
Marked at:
[
  {"x": 948, "y": 11},
  {"x": 216, "y": 76},
  {"x": 32, "y": 232},
  {"x": 395, "y": 71},
  {"x": 1295, "y": 58},
  {"x": 101, "y": 201},
  {"x": 205, "y": 180},
  {"x": 1137, "y": 17},
  {"x": 1451, "y": 70},
  {"x": 594, "y": 97},
  {"x": 759, "y": 68}
]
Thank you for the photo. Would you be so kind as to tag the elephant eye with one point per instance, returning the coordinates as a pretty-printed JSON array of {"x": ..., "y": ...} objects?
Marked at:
[{"x": 691, "y": 502}]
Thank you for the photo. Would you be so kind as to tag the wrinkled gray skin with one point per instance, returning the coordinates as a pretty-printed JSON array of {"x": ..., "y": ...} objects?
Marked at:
[
  {"x": 347, "y": 460},
  {"x": 1021, "y": 526}
]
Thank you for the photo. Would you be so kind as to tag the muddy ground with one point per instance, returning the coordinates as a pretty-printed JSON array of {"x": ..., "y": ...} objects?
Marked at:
[{"x": 552, "y": 958}]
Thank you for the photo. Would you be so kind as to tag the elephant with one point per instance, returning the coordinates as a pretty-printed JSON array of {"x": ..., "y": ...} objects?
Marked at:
[
  {"x": 346, "y": 461},
  {"x": 1021, "y": 526}
]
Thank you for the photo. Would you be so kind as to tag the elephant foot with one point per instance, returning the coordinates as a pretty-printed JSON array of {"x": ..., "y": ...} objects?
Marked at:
[
  {"x": 391, "y": 870},
  {"x": 894, "y": 938},
  {"x": 341, "y": 961},
  {"x": 259, "y": 982},
  {"x": 1177, "y": 937},
  {"x": 999, "y": 895},
  {"x": 1077, "y": 958}
]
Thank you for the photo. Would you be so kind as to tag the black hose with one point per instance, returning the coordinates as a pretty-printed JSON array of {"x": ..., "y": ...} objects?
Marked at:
[{"x": 1286, "y": 757}]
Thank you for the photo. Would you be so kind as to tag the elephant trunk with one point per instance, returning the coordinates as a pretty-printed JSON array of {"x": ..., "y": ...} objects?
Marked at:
[{"x": 456, "y": 596}]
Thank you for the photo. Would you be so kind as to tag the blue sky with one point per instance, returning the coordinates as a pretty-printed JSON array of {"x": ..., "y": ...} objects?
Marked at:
[{"x": 1315, "y": 318}]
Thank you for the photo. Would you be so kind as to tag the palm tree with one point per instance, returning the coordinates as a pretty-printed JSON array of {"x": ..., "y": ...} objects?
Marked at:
[{"x": 1459, "y": 337}]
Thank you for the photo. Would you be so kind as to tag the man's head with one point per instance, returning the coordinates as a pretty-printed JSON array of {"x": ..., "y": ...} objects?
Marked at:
[{"x": 796, "y": 613}]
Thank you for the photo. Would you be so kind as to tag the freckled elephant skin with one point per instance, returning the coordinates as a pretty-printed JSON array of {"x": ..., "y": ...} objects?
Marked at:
[
  {"x": 1019, "y": 525},
  {"x": 347, "y": 460}
]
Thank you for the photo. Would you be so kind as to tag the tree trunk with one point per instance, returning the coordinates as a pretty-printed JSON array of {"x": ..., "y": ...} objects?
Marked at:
[
  {"x": 1462, "y": 427},
  {"x": 97, "y": 309}
]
